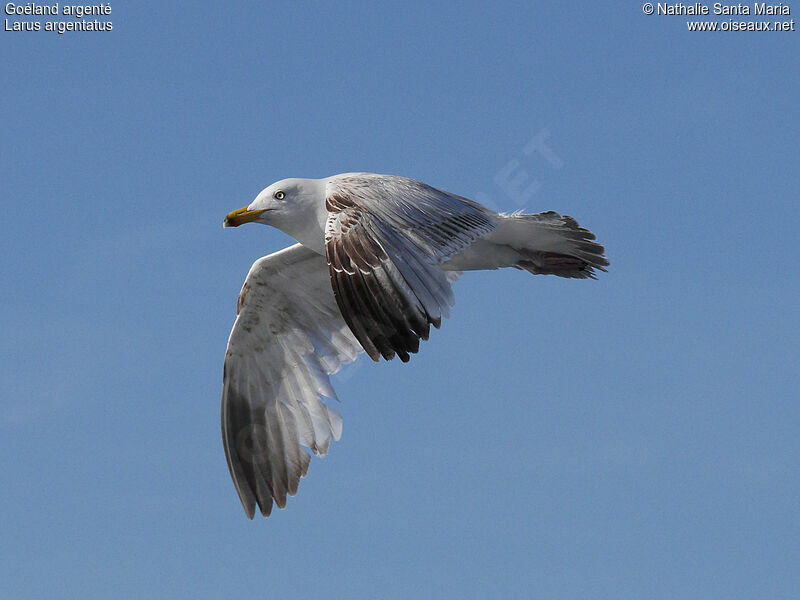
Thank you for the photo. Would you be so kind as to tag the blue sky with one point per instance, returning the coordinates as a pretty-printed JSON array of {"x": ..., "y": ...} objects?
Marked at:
[{"x": 630, "y": 437}]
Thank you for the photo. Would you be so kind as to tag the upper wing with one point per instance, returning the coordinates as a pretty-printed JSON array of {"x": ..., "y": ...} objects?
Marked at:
[
  {"x": 289, "y": 336},
  {"x": 384, "y": 240}
]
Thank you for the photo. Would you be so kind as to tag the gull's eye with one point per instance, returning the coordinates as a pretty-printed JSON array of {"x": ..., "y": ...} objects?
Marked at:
[{"x": 279, "y": 195}]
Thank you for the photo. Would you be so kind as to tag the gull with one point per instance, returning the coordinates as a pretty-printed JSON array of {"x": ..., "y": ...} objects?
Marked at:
[{"x": 372, "y": 271}]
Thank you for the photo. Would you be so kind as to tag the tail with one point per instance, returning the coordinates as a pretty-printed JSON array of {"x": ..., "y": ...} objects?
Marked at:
[{"x": 549, "y": 244}]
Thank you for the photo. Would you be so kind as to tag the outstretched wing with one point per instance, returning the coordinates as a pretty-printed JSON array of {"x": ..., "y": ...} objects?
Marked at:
[
  {"x": 288, "y": 337},
  {"x": 384, "y": 240}
]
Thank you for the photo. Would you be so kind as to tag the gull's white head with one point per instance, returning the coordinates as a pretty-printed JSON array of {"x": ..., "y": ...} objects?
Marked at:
[
  {"x": 295, "y": 206},
  {"x": 280, "y": 204}
]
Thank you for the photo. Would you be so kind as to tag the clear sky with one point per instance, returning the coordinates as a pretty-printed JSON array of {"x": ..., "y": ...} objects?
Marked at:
[{"x": 631, "y": 437}]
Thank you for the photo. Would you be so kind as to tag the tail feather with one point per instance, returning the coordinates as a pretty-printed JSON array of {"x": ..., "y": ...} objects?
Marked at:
[
  {"x": 549, "y": 263},
  {"x": 551, "y": 244}
]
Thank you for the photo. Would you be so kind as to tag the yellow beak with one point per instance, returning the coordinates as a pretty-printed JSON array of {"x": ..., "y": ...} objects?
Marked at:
[{"x": 237, "y": 217}]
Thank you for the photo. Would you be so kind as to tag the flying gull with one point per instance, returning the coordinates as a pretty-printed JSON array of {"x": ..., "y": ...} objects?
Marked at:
[{"x": 371, "y": 273}]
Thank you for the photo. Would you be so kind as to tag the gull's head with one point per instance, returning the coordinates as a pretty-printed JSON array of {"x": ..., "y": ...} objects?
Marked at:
[{"x": 281, "y": 202}]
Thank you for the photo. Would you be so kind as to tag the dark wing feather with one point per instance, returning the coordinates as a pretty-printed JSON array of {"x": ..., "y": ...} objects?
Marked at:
[
  {"x": 288, "y": 337},
  {"x": 385, "y": 240}
]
